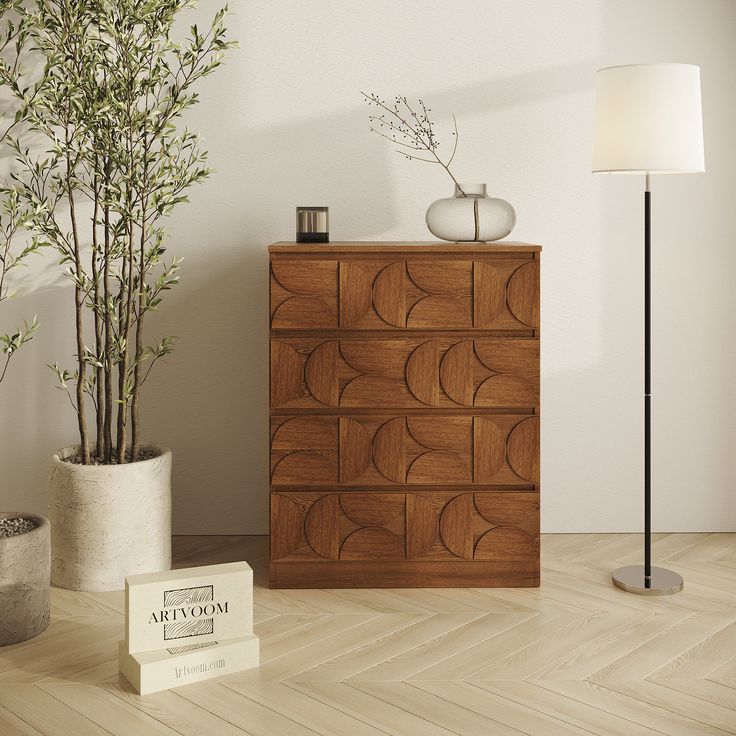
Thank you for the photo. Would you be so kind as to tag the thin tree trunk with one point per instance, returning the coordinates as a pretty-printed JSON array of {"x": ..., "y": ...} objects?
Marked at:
[
  {"x": 78, "y": 305},
  {"x": 107, "y": 412},
  {"x": 134, "y": 411},
  {"x": 124, "y": 363},
  {"x": 128, "y": 309},
  {"x": 99, "y": 387},
  {"x": 138, "y": 382}
]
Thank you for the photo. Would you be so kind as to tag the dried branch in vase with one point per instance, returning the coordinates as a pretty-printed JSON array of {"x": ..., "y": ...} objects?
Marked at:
[{"x": 412, "y": 129}]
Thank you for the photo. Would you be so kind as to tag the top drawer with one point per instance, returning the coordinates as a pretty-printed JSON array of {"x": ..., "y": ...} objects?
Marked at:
[{"x": 405, "y": 292}]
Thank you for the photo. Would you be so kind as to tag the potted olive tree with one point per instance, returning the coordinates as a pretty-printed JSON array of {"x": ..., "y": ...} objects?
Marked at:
[
  {"x": 104, "y": 84},
  {"x": 24, "y": 537}
]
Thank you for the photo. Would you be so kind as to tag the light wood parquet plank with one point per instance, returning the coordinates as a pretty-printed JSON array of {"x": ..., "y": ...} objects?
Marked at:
[
  {"x": 725, "y": 674},
  {"x": 381, "y": 601},
  {"x": 439, "y": 600},
  {"x": 585, "y": 660},
  {"x": 280, "y": 625},
  {"x": 685, "y": 704},
  {"x": 85, "y": 653},
  {"x": 553, "y": 647},
  {"x": 384, "y": 716},
  {"x": 501, "y": 709},
  {"x": 638, "y": 711},
  {"x": 250, "y": 716},
  {"x": 354, "y": 635},
  {"x": 666, "y": 548},
  {"x": 441, "y": 712},
  {"x": 101, "y": 707},
  {"x": 73, "y": 603},
  {"x": 173, "y": 711},
  {"x": 382, "y": 648},
  {"x": 312, "y": 636},
  {"x": 707, "y": 690},
  {"x": 718, "y": 575},
  {"x": 46, "y": 713},
  {"x": 702, "y": 659},
  {"x": 321, "y": 718},
  {"x": 432, "y": 652},
  {"x": 509, "y": 639},
  {"x": 547, "y": 599},
  {"x": 329, "y": 601},
  {"x": 113, "y": 600},
  {"x": 566, "y": 707},
  {"x": 13, "y": 725},
  {"x": 717, "y": 548},
  {"x": 669, "y": 644}
]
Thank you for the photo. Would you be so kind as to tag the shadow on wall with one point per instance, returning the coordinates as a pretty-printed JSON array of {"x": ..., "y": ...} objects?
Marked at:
[{"x": 208, "y": 402}]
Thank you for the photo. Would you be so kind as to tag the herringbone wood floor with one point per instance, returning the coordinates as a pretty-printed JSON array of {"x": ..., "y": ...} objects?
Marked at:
[{"x": 576, "y": 656}]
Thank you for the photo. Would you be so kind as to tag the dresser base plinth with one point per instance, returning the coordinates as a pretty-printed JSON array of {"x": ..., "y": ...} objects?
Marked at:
[{"x": 404, "y": 574}]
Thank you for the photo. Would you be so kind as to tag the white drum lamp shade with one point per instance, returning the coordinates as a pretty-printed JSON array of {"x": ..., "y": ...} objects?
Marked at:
[{"x": 648, "y": 119}]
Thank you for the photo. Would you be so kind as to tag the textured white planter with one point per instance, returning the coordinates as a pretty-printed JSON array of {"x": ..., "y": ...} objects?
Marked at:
[
  {"x": 108, "y": 521},
  {"x": 24, "y": 582}
]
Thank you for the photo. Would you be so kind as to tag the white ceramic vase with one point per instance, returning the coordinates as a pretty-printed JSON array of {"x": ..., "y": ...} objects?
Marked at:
[
  {"x": 24, "y": 582},
  {"x": 471, "y": 216},
  {"x": 108, "y": 521}
]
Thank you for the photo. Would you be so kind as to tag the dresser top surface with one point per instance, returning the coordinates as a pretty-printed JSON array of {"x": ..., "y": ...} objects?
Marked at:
[{"x": 412, "y": 246}]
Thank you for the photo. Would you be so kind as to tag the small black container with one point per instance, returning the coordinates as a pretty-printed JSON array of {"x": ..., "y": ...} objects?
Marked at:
[{"x": 312, "y": 225}]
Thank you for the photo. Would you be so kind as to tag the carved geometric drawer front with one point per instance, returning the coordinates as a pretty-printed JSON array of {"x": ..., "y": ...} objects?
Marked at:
[
  {"x": 390, "y": 293},
  {"x": 338, "y": 526},
  {"x": 405, "y": 372},
  {"x": 495, "y": 449},
  {"x": 395, "y": 526},
  {"x": 472, "y": 526}
]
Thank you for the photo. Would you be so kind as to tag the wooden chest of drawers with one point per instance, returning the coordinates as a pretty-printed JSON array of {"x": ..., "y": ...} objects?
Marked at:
[{"x": 404, "y": 415}]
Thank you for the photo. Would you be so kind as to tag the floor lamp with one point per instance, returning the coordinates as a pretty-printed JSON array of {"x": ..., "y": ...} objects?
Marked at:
[{"x": 648, "y": 121}]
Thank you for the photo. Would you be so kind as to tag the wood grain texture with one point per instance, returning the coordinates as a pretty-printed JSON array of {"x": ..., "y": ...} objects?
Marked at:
[{"x": 440, "y": 485}]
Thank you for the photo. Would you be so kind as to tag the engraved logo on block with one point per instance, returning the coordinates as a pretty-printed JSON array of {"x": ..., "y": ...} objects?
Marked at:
[
  {"x": 187, "y": 599},
  {"x": 189, "y": 616},
  {"x": 188, "y": 612}
]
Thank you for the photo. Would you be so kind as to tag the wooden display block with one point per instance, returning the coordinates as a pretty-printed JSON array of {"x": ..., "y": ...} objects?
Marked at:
[
  {"x": 189, "y": 606},
  {"x": 150, "y": 672}
]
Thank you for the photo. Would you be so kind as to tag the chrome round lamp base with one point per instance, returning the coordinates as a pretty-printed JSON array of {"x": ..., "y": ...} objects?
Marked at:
[{"x": 662, "y": 582}]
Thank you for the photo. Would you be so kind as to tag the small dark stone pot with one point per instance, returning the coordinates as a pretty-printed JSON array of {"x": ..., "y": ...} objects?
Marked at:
[{"x": 25, "y": 564}]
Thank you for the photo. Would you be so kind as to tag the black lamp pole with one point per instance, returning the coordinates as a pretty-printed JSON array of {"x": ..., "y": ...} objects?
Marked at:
[
  {"x": 647, "y": 386},
  {"x": 647, "y": 580}
]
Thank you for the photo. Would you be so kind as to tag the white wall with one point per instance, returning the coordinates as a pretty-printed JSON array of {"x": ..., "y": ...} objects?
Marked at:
[{"x": 285, "y": 126}]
